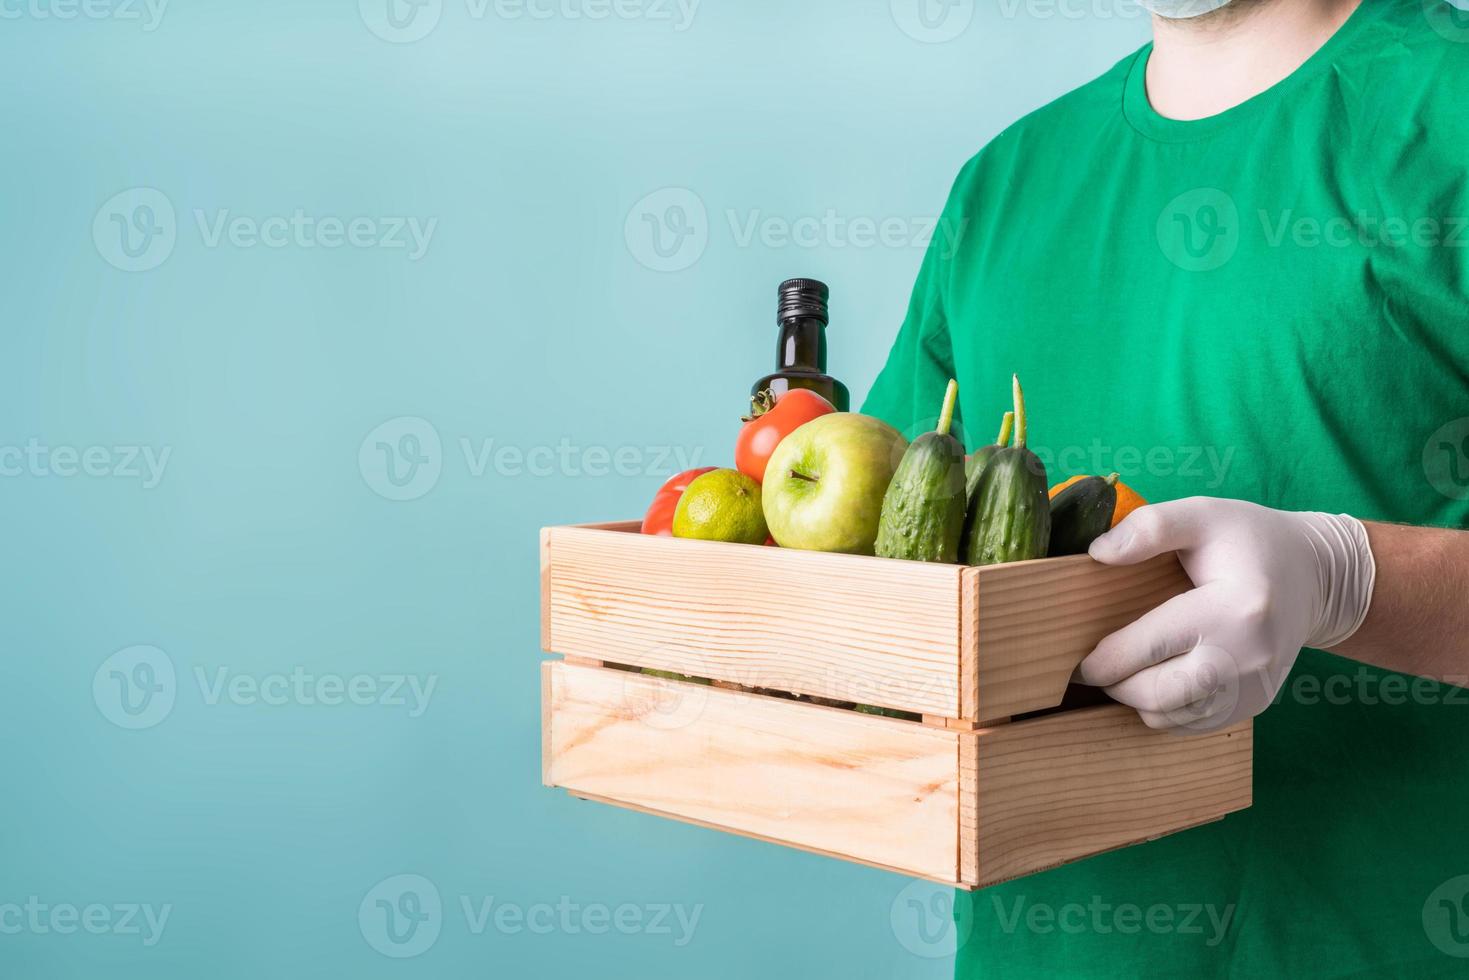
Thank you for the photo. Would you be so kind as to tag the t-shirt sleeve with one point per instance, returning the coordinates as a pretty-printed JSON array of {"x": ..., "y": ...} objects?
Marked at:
[
  {"x": 909, "y": 391},
  {"x": 910, "y": 388}
]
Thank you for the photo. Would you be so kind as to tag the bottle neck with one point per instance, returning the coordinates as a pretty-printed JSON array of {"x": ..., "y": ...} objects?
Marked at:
[{"x": 802, "y": 345}]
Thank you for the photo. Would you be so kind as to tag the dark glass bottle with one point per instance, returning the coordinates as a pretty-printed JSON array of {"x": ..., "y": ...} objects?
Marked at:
[{"x": 800, "y": 356}]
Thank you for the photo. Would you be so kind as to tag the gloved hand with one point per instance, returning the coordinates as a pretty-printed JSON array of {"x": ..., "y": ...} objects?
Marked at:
[{"x": 1267, "y": 582}]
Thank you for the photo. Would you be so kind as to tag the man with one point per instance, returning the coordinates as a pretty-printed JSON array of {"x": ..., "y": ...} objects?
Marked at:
[{"x": 1235, "y": 269}]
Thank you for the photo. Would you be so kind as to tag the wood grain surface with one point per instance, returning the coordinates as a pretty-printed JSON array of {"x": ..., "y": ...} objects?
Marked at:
[
  {"x": 872, "y": 789},
  {"x": 866, "y": 630},
  {"x": 1027, "y": 625}
]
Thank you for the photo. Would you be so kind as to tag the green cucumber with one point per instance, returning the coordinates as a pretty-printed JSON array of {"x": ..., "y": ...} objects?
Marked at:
[
  {"x": 669, "y": 675},
  {"x": 1010, "y": 513},
  {"x": 975, "y": 464},
  {"x": 923, "y": 509},
  {"x": 871, "y": 709},
  {"x": 1082, "y": 513}
]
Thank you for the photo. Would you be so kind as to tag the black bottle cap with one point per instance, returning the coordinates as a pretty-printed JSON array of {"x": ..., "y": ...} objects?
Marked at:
[{"x": 802, "y": 298}]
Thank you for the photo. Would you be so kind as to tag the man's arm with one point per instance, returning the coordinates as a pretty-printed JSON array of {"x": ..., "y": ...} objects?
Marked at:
[{"x": 1418, "y": 621}]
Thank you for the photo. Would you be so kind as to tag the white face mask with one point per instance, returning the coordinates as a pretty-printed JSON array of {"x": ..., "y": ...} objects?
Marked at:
[{"x": 1182, "y": 9}]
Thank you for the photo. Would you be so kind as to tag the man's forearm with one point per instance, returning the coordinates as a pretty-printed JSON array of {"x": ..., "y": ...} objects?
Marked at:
[{"x": 1418, "y": 622}]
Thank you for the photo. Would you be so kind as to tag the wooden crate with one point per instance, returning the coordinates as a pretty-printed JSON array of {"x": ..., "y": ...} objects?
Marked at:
[{"x": 995, "y": 780}]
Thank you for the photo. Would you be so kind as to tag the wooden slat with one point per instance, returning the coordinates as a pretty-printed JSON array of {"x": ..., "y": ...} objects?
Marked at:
[
  {"x": 546, "y": 725},
  {"x": 868, "y": 630},
  {"x": 593, "y": 798},
  {"x": 546, "y": 589},
  {"x": 873, "y": 789},
  {"x": 1027, "y": 625},
  {"x": 968, "y": 810},
  {"x": 1064, "y": 786},
  {"x": 968, "y": 645}
]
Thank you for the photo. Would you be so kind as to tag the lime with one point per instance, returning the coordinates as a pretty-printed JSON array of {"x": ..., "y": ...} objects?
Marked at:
[{"x": 722, "y": 505}]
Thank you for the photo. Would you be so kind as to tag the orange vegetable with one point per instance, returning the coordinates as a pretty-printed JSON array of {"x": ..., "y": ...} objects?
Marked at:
[{"x": 1128, "y": 499}]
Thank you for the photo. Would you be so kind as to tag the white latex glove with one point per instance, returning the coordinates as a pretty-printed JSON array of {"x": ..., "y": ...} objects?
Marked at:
[{"x": 1267, "y": 583}]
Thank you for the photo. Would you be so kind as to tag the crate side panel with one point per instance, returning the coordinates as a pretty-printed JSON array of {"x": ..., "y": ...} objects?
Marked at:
[
  {"x": 867, "y": 630},
  {"x": 1070, "y": 785},
  {"x": 1029, "y": 624},
  {"x": 870, "y": 788}
]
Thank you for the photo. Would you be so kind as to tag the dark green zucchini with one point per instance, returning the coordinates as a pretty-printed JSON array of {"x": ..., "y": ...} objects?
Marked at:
[
  {"x": 1009, "y": 515},
  {"x": 975, "y": 464},
  {"x": 1082, "y": 513},
  {"x": 923, "y": 509}
]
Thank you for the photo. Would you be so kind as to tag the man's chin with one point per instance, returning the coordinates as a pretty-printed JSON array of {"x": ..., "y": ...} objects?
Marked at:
[{"x": 1186, "y": 10}]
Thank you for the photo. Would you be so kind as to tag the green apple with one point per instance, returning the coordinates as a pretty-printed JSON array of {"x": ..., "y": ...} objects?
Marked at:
[{"x": 824, "y": 484}]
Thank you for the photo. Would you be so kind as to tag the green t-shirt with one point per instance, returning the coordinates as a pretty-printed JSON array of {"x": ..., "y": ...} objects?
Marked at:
[{"x": 1269, "y": 305}]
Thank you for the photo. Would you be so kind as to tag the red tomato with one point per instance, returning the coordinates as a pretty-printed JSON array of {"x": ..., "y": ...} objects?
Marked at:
[
  {"x": 769, "y": 424},
  {"x": 659, "y": 519}
]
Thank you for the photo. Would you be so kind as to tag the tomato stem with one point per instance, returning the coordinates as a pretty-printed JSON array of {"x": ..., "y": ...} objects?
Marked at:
[
  {"x": 760, "y": 403},
  {"x": 946, "y": 417}
]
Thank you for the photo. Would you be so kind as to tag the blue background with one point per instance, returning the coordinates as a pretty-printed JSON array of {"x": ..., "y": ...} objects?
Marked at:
[{"x": 532, "y": 319}]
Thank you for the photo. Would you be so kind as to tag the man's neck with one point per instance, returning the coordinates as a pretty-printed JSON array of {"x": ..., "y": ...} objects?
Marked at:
[{"x": 1202, "y": 67}]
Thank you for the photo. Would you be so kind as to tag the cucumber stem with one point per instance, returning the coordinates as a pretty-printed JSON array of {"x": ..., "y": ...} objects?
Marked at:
[
  {"x": 1111, "y": 480},
  {"x": 946, "y": 417},
  {"x": 1019, "y": 411},
  {"x": 1007, "y": 423}
]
